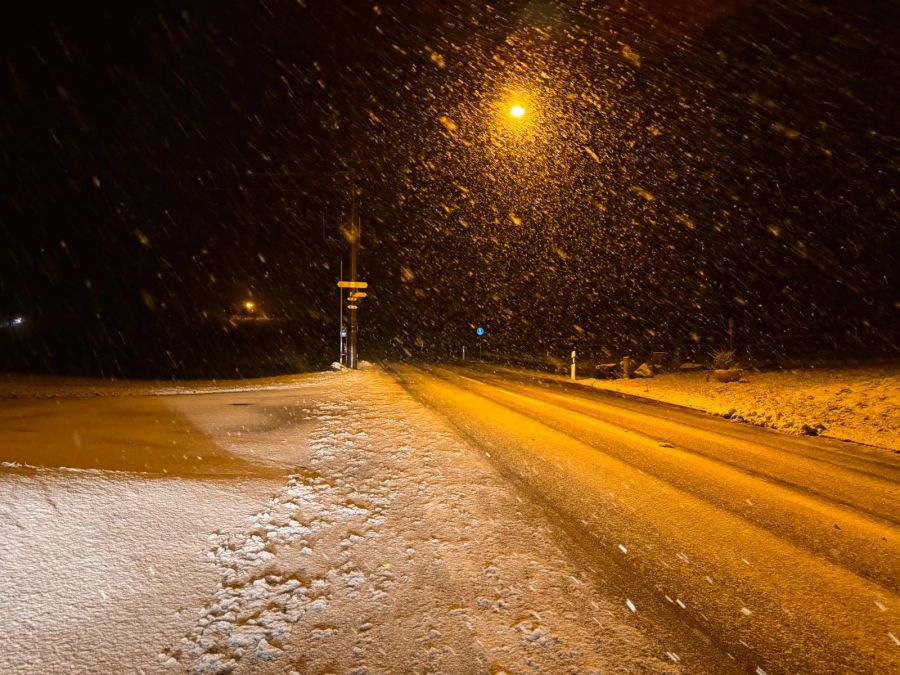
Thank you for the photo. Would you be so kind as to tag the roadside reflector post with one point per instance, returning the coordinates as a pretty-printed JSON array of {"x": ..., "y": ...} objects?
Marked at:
[{"x": 573, "y": 365}]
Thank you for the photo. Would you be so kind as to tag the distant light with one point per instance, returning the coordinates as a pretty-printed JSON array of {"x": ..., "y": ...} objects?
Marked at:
[
  {"x": 18, "y": 321},
  {"x": 517, "y": 111},
  {"x": 249, "y": 305}
]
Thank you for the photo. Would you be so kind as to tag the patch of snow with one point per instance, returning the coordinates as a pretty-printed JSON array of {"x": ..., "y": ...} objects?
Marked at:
[
  {"x": 103, "y": 568},
  {"x": 854, "y": 404},
  {"x": 374, "y": 539}
]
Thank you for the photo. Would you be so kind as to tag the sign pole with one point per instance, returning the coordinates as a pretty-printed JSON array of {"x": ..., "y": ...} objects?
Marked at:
[
  {"x": 354, "y": 243},
  {"x": 354, "y": 296}
]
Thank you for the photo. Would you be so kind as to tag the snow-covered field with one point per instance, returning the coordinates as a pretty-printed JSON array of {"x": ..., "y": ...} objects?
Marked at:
[
  {"x": 853, "y": 404},
  {"x": 324, "y": 523},
  {"x": 51, "y": 386},
  {"x": 98, "y": 570}
]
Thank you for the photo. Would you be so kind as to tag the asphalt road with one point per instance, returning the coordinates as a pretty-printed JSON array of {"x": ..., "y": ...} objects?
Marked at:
[{"x": 760, "y": 552}]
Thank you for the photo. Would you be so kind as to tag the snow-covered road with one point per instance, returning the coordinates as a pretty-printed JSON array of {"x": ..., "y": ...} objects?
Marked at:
[
  {"x": 333, "y": 525},
  {"x": 782, "y": 550}
]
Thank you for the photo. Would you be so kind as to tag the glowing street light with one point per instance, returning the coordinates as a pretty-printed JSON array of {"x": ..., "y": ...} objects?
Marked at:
[
  {"x": 516, "y": 121},
  {"x": 250, "y": 306}
]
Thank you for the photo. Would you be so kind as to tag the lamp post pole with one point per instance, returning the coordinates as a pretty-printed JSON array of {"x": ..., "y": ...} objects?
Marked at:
[
  {"x": 341, "y": 317},
  {"x": 354, "y": 245}
]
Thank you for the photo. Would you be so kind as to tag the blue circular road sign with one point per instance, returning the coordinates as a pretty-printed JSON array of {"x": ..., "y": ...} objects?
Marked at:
[{"x": 479, "y": 331}]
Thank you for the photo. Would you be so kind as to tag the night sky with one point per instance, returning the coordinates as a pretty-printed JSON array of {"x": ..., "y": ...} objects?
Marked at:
[{"x": 680, "y": 164}]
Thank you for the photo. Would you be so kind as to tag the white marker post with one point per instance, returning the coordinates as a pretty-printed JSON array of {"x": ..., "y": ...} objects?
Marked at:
[{"x": 573, "y": 365}]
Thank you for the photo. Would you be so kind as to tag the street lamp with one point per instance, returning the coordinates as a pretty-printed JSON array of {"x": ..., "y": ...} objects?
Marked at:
[{"x": 516, "y": 118}]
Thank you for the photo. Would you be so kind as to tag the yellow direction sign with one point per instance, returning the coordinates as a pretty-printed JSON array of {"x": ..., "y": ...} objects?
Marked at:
[
  {"x": 358, "y": 294},
  {"x": 351, "y": 306},
  {"x": 352, "y": 284}
]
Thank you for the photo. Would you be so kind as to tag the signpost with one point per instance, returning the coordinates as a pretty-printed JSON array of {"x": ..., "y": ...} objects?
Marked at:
[
  {"x": 573, "y": 365},
  {"x": 480, "y": 332},
  {"x": 355, "y": 234},
  {"x": 352, "y": 299},
  {"x": 342, "y": 340},
  {"x": 350, "y": 331}
]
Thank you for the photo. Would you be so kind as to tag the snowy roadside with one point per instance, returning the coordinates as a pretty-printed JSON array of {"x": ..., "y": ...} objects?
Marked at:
[
  {"x": 98, "y": 568},
  {"x": 387, "y": 544},
  {"x": 852, "y": 404},
  {"x": 397, "y": 548}
]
